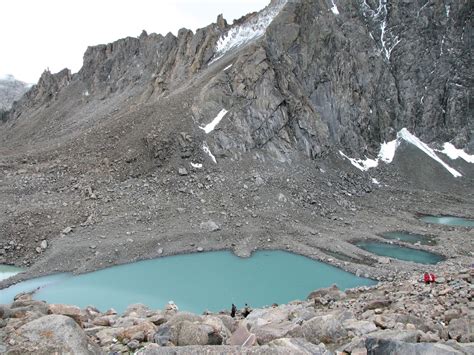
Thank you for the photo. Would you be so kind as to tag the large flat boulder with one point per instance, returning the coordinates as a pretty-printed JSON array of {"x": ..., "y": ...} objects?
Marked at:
[
  {"x": 326, "y": 329},
  {"x": 271, "y": 331},
  {"x": 299, "y": 346},
  {"x": 409, "y": 336},
  {"x": 155, "y": 349},
  {"x": 52, "y": 334},
  {"x": 376, "y": 346},
  {"x": 192, "y": 334},
  {"x": 70, "y": 311}
]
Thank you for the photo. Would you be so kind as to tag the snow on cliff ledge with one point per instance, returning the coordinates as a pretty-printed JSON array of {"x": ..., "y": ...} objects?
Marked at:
[
  {"x": 248, "y": 31},
  {"x": 387, "y": 152}
]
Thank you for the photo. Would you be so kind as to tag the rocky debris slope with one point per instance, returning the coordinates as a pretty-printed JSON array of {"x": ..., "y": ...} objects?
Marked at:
[
  {"x": 10, "y": 91},
  {"x": 389, "y": 318}
]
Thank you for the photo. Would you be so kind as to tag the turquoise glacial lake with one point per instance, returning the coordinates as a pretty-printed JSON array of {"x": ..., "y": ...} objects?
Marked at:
[
  {"x": 409, "y": 238},
  {"x": 449, "y": 221},
  {"x": 7, "y": 271},
  {"x": 401, "y": 253},
  {"x": 195, "y": 282}
]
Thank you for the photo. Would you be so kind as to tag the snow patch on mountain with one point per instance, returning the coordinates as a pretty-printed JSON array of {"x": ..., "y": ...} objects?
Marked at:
[
  {"x": 410, "y": 138},
  {"x": 375, "y": 181},
  {"x": 387, "y": 153},
  {"x": 334, "y": 8},
  {"x": 206, "y": 150},
  {"x": 211, "y": 126},
  {"x": 453, "y": 153},
  {"x": 254, "y": 28},
  {"x": 360, "y": 164}
]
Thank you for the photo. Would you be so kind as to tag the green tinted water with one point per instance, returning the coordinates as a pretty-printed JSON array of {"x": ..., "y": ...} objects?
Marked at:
[
  {"x": 7, "y": 271},
  {"x": 401, "y": 253},
  {"x": 409, "y": 238},
  {"x": 450, "y": 221},
  {"x": 6, "y": 295},
  {"x": 196, "y": 282}
]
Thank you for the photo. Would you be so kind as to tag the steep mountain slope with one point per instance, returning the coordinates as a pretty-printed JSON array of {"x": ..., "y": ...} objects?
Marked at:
[
  {"x": 317, "y": 78},
  {"x": 10, "y": 91},
  {"x": 242, "y": 124}
]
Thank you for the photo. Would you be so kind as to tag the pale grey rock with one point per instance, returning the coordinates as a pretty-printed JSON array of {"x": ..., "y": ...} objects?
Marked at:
[
  {"x": 300, "y": 346},
  {"x": 326, "y": 329},
  {"x": 192, "y": 334},
  {"x": 408, "y": 336},
  {"x": 210, "y": 226},
  {"x": 53, "y": 333},
  {"x": 359, "y": 327},
  {"x": 388, "y": 346},
  {"x": 459, "y": 327}
]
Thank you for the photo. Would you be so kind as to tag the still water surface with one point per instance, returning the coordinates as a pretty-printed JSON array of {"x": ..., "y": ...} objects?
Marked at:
[
  {"x": 401, "y": 253},
  {"x": 7, "y": 271},
  {"x": 449, "y": 221},
  {"x": 196, "y": 282},
  {"x": 409, "y": 238}
]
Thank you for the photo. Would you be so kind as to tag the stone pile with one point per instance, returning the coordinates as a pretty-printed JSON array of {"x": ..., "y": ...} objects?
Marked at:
[{"x": 389, "y": 318}]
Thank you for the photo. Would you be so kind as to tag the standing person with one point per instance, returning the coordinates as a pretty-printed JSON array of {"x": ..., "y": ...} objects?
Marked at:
[
  {"x": 233, "y": 310},
  {"x": 246, "y": 311}
]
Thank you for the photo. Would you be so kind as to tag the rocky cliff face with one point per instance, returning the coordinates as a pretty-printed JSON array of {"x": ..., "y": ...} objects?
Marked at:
[
  {"x": 10, "y": 91},
  {"x": 306, "y": 75},
  {"x": 353, "y": 73}
]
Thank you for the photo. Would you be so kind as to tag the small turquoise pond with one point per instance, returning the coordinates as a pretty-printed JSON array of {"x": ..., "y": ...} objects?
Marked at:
[
  {"x": 409, "y": 238},
  {"x": 195, "y": 282},
  {"x": 401, "y": 253},
  {"x": 449, "y": 221},
  {"x": 7, "y": 271}
]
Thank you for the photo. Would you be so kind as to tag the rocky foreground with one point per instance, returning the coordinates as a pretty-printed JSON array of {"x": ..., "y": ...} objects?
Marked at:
[{"x": 390, "y": 318}]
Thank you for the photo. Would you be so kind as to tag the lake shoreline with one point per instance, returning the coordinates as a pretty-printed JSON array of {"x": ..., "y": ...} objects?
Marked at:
[{"x": 382, "y": 316}]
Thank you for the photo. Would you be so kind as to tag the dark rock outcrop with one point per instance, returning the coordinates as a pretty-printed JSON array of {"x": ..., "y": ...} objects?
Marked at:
[{"x": 351, "y": 79}]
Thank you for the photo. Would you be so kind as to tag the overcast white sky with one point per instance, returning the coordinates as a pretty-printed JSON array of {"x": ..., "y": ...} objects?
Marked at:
[{"x": 54, "y": 34}]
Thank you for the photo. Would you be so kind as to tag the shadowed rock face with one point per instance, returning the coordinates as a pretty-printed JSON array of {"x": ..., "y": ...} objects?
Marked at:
[
  {"x": 325, "y": 74},
  {"x": 356, "y": 78}
]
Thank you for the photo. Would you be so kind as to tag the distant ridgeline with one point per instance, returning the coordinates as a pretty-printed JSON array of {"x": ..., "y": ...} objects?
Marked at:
[{"x": 11, "y": 90}]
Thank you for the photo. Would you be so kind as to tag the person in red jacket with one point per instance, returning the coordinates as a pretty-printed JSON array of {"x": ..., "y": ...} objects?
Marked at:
[
  {"x": 426, "y": 278},
  {"x": 432, "y": 278}
]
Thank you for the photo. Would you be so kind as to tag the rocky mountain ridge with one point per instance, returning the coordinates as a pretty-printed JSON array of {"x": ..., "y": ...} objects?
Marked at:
[
  {"x": 314, "y": 80},
  {"x": 10, "y": 91}
]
